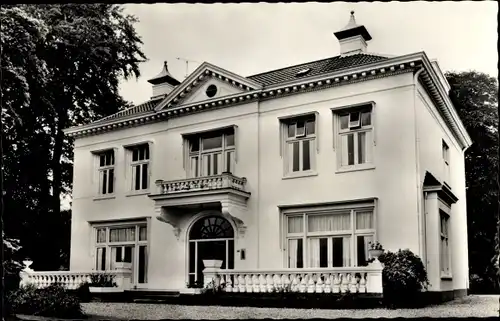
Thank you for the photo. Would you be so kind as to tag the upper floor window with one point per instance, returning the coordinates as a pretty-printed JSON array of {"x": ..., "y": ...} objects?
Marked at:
[
  {"x": 299, "y": 144},
  {"x": 106, "y": 172},
  {"x": 212, "y": 153},
  {"x": 139, "y": 166},
  {"x": 355, "y": 137},
  {"x": 446, "y": 161}
]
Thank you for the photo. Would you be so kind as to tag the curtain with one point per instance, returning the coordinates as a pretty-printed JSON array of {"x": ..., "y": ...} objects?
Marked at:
[
  {"x": 364, "y": 220},
  {"x": 329, "y": 222},
  {"x": 314, "y": 252},
  {"x": 101, "y": 259},
  {"x": 295, "y": 224},
  {"x": 346, "y": 251},
  {"x": 122, "y": 234},
  {"x": 101, "y": 235},
  {"x": 343, "y": 143},
  {"x": 292, "y": 253},
  {"x": 143, "y": 233}
]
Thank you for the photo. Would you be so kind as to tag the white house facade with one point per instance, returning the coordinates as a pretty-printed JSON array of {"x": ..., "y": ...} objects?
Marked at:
[{"x": 297, "y": 168}]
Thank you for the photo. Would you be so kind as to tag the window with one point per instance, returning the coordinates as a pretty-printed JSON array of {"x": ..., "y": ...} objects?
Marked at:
[
  {"x": 140, "y": 167},
  {"x": 446, "y": 162},
  {"x": 445, "y": 248},
  {"x": 123, "y": 243},
  {"x": 335, "y": 238},
  {"x": 106, "y": 172},
  {"x": 212, "y": 153},
  {"x": 355, "y": 137},
  {"x": 300, "y": 139}
]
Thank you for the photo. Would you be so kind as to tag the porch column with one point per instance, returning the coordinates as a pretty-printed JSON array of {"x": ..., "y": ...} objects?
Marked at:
[
  {"x": 211, "y": 272},
  {"x": 432, "y": 239}
]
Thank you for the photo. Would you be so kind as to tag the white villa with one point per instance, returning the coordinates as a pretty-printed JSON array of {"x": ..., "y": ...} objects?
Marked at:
[{"x": 284, "y": 176}]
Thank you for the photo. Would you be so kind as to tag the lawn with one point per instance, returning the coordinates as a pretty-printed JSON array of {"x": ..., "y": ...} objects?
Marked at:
[{"x": 471, "y": 306}]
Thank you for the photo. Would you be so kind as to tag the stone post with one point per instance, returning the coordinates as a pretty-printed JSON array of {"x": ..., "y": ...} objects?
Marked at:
[
  {"x": 123, "y": 278},
  {"x": 374, "y": 277},
  {"x": 211, "y": 272},
  {"x": 25, "y": 273}
]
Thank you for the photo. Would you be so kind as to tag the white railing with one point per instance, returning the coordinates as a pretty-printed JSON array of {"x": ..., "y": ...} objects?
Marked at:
[
  {"x": 69, "y": 279},
  {"x": 224, "y": 180},
  {"x": 307, "y": 280}
]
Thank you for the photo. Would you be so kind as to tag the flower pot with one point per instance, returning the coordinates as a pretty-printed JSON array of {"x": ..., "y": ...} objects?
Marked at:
[
  {"x": 97, "y": 289},
  {"x": 375, "y": 253},
  {"x": 212, "y": 264}
]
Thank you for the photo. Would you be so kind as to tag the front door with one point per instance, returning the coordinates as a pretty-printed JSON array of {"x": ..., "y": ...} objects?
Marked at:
[{"x": 210, "y": 238}]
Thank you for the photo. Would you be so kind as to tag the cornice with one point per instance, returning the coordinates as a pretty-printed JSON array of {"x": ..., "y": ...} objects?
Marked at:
[{"x": 386, "y": 68}]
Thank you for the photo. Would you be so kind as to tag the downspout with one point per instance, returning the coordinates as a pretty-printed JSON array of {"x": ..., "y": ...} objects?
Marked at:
[{"x": 420, "y": 217}]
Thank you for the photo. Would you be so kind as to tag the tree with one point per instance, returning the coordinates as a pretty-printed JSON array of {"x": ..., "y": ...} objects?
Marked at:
[
  {"x": 61, "y": 67},
  {"x": 475, "y": 96}
]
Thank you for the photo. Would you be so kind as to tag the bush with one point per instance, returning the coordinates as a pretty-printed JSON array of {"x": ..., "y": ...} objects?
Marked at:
[
  {"x": 403, "y": 278},
  {"x": 102, "y": 280},
  {"x": 53, "y": 301},
  {"x": 83, "y": 292}
]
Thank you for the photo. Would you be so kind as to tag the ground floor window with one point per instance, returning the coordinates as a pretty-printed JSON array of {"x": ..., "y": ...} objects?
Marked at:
[
  {"x": 117, "y": 243},
  {"x": 210, "y": 238},
  {"x": 445, "y": 247},
  {"x": 331, "y": 238}
]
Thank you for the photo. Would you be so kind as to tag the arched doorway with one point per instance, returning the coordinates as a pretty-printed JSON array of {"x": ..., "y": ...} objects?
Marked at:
[{"x": 210, "y": 238}]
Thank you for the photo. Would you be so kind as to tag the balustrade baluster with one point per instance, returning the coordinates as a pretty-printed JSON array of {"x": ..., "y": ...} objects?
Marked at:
[
  {"x": 303, "y": 283},
  {"x": 344, "y": 283},
  {"x": 229, "y": 283},
  {"x": 328, "y": 283},
  {"x": 255, "y": 282},
  {"x": 310, "y": 284},
  {"x": 295, "y": 283},
  {"x": 287, "y": 283},
  {"x": 277, "y": 282},
  {"x": 242, "y": 283},
  {"x": 262, "y": 283},
  {"x": 320, "y": 286},
  {"x": 362, "y": 283},
  {"x": 248, "y": 283},
  {"x": 270, "y": 282},
  {"x": 336, "y": 283},
  {"x": 353, "y": 288},
  {"x": 236, "y": 284}
]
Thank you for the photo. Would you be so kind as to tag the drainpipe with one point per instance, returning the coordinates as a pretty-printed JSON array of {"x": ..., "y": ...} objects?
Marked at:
[{"x": 420, "y": 219}]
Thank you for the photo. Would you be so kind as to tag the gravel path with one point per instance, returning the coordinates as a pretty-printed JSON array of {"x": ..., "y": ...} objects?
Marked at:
[{"x": 471, "y": 306}]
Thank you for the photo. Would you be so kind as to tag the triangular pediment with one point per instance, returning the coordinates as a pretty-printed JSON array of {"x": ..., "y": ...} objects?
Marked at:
[{"x": 207, "y": 82}]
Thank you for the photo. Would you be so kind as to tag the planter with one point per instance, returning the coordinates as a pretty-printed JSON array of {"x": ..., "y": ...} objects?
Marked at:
[
  {"x": 190, "y": 291},
  {"x": 212, "y": 264},
  {"x": 375, "y": 253},
  {"x": 97, "y": 289}
]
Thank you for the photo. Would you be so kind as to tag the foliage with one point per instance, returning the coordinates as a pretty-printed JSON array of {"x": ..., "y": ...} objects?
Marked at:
[
  {"x": 83, "y": 292},
  {"x": 403, "y": 277},
  {"x": 213, "y": 287},
  {"x": 195, "y": 285},
  {"x": 475, "y": 97},
  {"x": 102, "y": 280},
  {"x": 61, "y": 67},
  {"x": 376, "y": 246},
  {"x": 53, "y": 301}
]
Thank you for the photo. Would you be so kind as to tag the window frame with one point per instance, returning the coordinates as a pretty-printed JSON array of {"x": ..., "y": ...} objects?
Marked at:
[
  {"x": 339, "y": 111},
  {"x": 200, "y": 153},
  {"x": 129, "y": 170},
  {"x": 98, "y": 169},
  {"x": 445, "y": 212},
  {"x": 445, "y": 155},
  {"x": 108, "y": 245},
  {"x": 352, "y": 208},
  {"x": 286, "y": 142}
]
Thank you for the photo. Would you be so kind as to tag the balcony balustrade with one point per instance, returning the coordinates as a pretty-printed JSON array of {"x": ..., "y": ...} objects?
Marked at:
[{"x": 222, "y": 181}]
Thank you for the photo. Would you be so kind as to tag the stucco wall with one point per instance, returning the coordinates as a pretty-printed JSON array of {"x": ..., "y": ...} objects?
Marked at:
[{"x": 431, "y": 132}]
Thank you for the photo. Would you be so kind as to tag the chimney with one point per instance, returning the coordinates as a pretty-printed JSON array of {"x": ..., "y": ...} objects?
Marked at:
[
  {"x": 163, "y": 83},
  {"x": 352, "y": 38}
]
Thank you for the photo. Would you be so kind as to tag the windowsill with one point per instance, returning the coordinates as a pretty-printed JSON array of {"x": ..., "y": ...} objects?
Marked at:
[
  {"x": 300, "y": 174},
  {"x": 104, "y": 197},
  {"x": 446, "y": 277},
  {"x": 355, "y": 168},
  {"x": 138, "y": 193}
]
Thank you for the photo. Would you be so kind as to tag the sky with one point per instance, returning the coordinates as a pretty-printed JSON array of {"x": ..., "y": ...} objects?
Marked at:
[{"x": 252, "y": 38}]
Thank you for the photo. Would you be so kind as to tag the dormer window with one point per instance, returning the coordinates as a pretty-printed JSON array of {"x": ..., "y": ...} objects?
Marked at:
[{"x": 303, "y": 72}]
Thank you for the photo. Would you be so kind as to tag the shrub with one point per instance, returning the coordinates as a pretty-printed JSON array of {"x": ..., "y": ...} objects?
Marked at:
[
  {"x": 83, "y": 292},
  {"x": 403, "y": 278},
  {"x": 102, "y": 280},
  {"x": 195, "y": 285},
  {"x": 53, "y": 301}
]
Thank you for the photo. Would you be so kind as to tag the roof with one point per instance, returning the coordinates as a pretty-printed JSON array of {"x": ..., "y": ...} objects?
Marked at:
[
  {"x": 274, "y": 77},
  {"x": 164, "y": 76},
  {"x": 145, "y": 107}
]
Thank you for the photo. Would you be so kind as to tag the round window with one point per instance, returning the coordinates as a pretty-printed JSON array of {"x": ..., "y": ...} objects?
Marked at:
[{"x": 211, "y": 91}]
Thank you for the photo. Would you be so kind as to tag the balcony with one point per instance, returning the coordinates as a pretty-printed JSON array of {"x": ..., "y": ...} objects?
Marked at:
[{"x": 224, "y": 193}]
